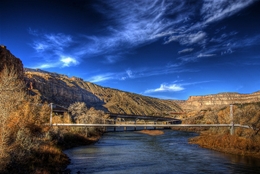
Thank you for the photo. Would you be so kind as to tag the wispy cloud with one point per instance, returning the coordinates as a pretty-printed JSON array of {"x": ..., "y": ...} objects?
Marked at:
[
  {"x": 166, "y": 88},
  {"x": 174, "y": 87},
  {"x": 188, "y": 38},
  {"x": 101, "y": 77},
  {"x": 206, "y": 55},
  {"x": 129, "y": 73},
  {"x": 53, "y": 49},
  {"x": 131, "y": 24},
  {"x": 187, "y": 50},
  {"x": 218, "y": 9}
]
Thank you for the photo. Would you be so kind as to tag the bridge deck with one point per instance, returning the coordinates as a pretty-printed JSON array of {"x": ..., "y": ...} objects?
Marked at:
[
  {"x": 146, "y": 117},
  {"x": 149, "y": 125}
]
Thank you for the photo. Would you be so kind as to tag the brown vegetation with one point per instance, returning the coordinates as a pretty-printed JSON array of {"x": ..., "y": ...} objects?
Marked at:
[
  {"x": 152, "y": 132},
  {"x": 244, "y": 141},
  {"x": 26, "y": 145},
  {"x": 229, "y": 144}
]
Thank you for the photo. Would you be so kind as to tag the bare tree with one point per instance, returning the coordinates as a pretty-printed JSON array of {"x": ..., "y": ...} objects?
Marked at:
[
  {"x": 11, "y": 95},
  {"x": 250, "y": 115},
  {"x": 77, "y": 109},
  {"x": 81, "y": 114}
]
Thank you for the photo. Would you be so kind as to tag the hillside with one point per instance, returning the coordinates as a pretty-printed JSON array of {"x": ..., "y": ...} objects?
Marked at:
[{"x": 63, "y": 90}]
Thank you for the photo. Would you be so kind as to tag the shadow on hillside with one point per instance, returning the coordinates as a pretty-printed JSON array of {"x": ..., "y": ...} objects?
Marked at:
[{"x": 54, "y": 90}]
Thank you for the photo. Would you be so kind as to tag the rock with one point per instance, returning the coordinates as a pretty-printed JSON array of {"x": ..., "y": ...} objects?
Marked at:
[{"x": 7, "y": 59}]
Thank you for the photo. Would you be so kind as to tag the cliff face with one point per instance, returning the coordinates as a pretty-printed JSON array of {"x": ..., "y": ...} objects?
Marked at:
[
  {"x": 7, "y": 60},
  {"x": 63, "y": 90},
  {"x": 216, "y": 100}
]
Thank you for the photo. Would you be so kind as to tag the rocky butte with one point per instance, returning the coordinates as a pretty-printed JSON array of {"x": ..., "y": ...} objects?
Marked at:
[{"x": 218, "y": 100}]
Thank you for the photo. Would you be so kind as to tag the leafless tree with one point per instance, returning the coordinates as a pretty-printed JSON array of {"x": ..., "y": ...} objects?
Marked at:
[
  {"x": 250, "y": 115},
  {"x": 81, "y": 114},
  {"x": 11, "y": 95}
]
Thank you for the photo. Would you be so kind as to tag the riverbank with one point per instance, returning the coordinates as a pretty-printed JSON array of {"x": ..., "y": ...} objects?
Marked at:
[
  {"x": 228, "y": 144},
  {"x": 134, "y": 152},
  {"x": 223, "y": 142},
  {"x": 76, "y": 141}
]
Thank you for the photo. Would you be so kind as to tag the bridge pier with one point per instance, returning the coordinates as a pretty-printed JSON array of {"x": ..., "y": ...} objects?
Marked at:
[
  {"x": 155, "y": 122},
  {"x": 232, "y": 120}
]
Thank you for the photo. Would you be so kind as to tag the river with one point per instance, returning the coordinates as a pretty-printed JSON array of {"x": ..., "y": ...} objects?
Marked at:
[{"x": 133, "y": 152}]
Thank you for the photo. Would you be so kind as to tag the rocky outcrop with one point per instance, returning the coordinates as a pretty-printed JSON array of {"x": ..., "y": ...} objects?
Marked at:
[
  {"x": 218, "y": 100},
  {"x": 63, "y": 90},
  {"x": 9, "y": 61}
]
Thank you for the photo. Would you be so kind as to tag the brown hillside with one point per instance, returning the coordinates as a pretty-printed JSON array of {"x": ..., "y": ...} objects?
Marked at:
[{"x": 63, "y": 90}]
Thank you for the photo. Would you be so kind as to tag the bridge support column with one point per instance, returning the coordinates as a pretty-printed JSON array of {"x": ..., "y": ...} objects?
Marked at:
[
  {"x": 86, "y": 131},
  {"x": 115, "y": 123},
  {"x": 232, "y": 120}
]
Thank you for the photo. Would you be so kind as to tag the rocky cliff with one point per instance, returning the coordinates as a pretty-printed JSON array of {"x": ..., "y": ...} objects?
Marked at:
[
  {"x": 9, "y": 61},
  {"x": 63, "y": 90},
  {"x": 218, "y": 100}
]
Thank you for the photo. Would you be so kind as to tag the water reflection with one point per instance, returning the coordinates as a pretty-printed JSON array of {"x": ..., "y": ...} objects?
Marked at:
[{"x": 132, "y": 152}]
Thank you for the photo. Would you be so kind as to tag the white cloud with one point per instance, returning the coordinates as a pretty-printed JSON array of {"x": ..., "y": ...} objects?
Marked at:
[
  {"x": 68, "y": 61},
  {"x": 129, "y": 73},
  {"x": 52, "y": 48},
  {"x": 166, "y": 88}
]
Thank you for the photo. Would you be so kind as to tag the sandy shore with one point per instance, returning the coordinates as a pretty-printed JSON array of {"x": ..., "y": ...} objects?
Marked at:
[{"x": 152, "y": 132}]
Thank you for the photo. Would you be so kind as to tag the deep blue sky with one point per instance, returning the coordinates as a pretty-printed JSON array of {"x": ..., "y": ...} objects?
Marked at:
[{"x": 165, "y": 49}]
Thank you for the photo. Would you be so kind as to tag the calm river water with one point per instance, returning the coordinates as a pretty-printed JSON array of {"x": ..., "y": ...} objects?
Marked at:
[{"x": 133, "y": 152}]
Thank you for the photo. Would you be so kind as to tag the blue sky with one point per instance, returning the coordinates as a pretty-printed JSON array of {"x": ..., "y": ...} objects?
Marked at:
[{"x": 168, "y": 49}]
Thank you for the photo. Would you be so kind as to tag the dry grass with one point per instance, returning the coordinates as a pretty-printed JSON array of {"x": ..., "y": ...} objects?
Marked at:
[{"x": 229, "y": 144}]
